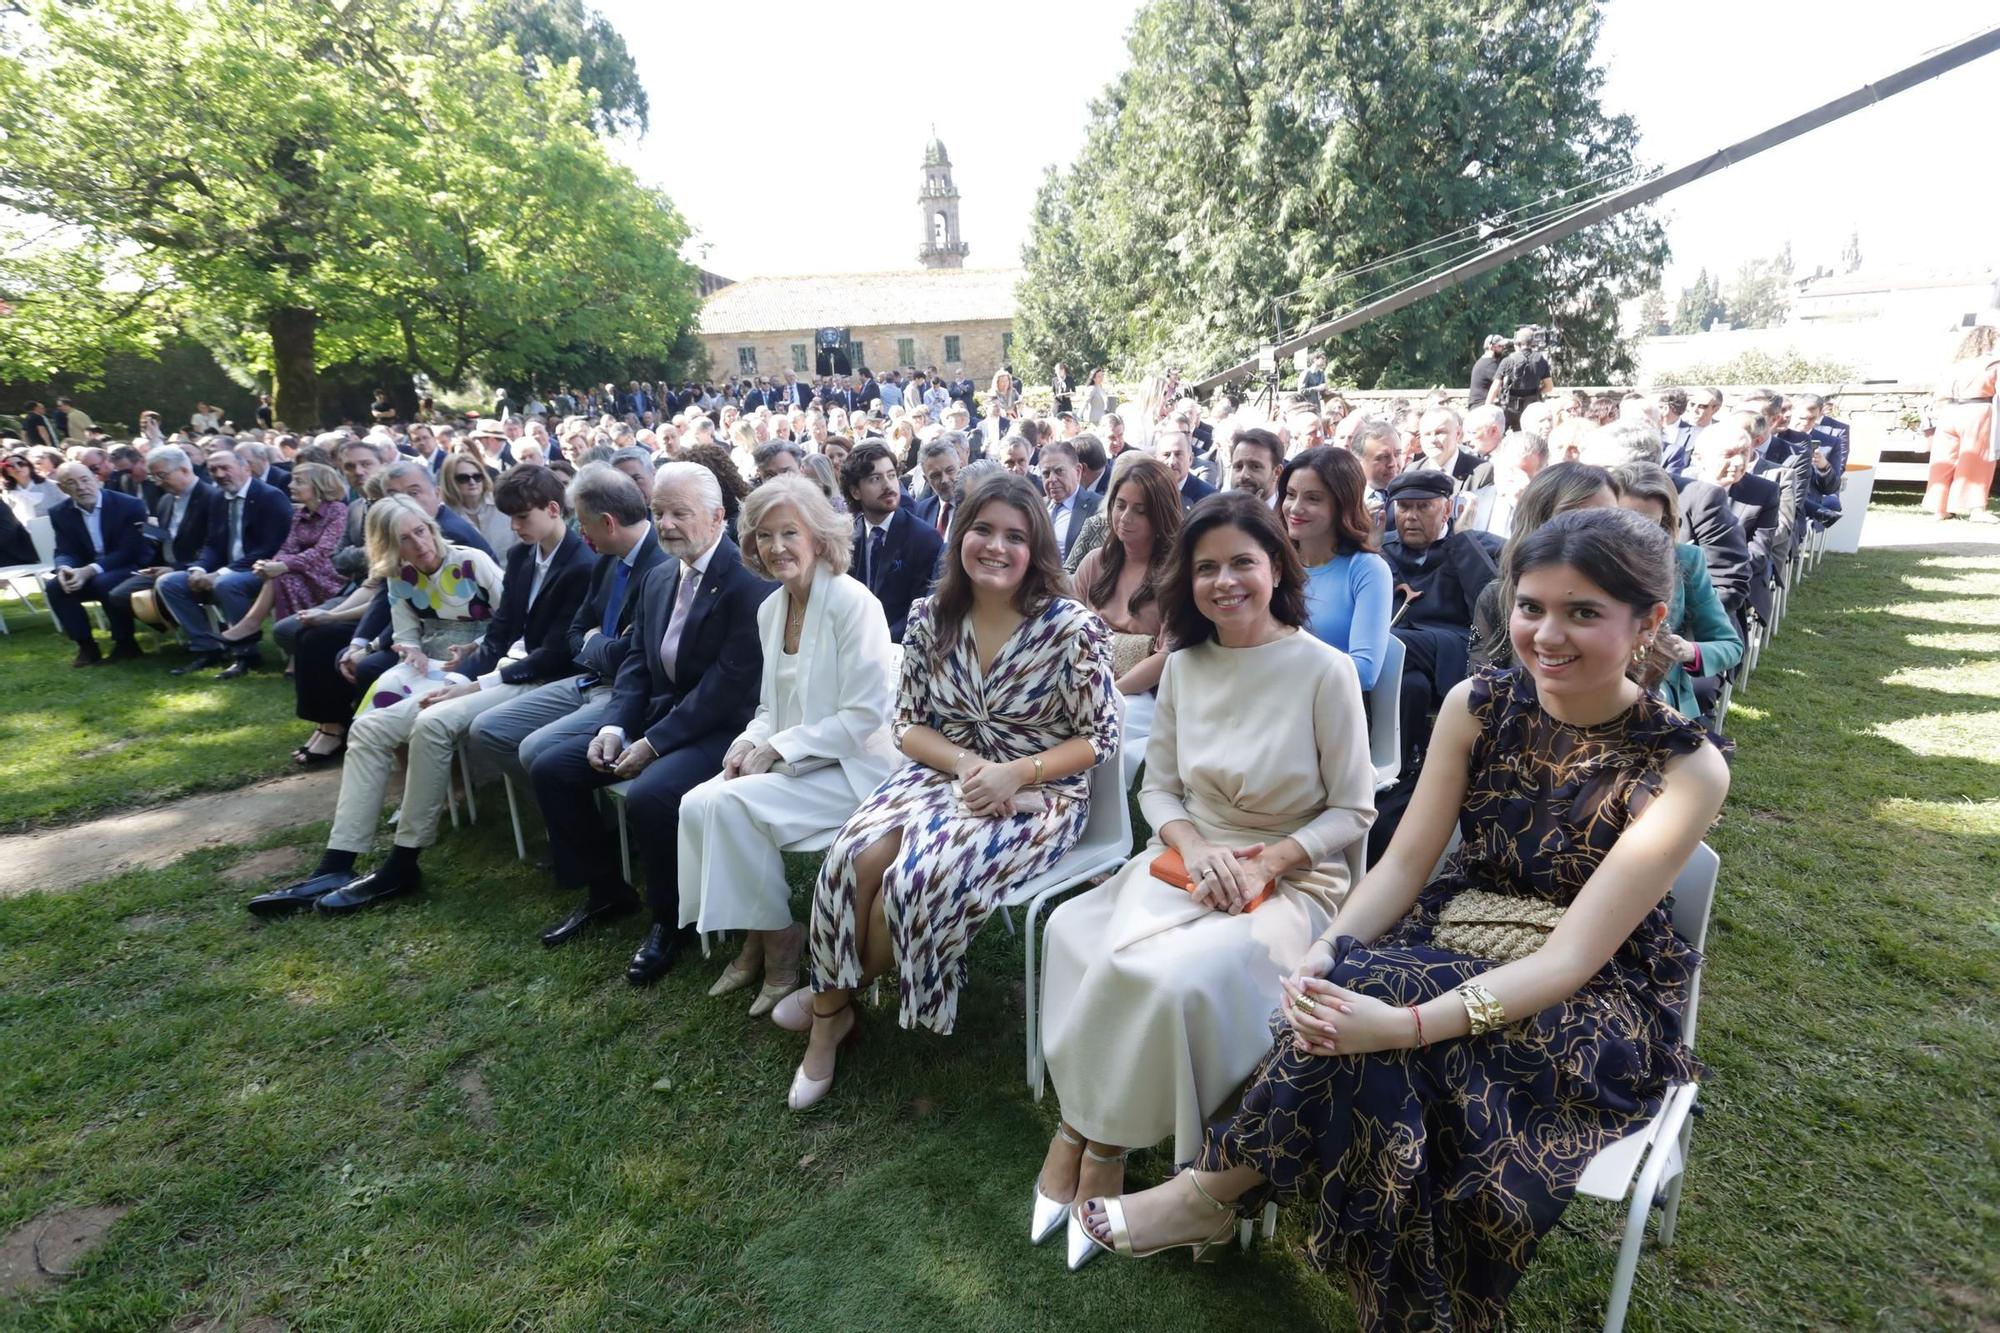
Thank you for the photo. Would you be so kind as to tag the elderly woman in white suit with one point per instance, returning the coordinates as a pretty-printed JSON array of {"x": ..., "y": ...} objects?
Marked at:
[{"x": 817, "y": 745}]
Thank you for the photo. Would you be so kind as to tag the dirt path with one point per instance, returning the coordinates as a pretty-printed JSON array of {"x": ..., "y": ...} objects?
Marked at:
[{"x": 67, "y": 858}]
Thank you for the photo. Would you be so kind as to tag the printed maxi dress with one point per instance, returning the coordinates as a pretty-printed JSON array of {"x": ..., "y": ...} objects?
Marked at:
[
  {"x": 1051, "y": 681},
  {"x": 1437, "y": 1171}
]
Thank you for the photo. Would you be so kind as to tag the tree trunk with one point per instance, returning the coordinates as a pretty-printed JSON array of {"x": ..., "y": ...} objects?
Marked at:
[{"x": 294, "y": 367}]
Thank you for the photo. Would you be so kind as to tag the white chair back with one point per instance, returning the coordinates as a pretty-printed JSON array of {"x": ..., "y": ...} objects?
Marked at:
[
  {"x": 1693, "y": 897},
  {"x": 1385, "y": 717},
  {"x": 42, "y": 532}
]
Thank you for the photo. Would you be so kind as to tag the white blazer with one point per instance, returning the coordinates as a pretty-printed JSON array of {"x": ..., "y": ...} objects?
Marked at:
[{"x": 846, "y": 681}]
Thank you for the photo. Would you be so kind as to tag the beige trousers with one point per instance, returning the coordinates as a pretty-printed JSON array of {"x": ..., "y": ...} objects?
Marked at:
[{"x": 432, "y": 735}]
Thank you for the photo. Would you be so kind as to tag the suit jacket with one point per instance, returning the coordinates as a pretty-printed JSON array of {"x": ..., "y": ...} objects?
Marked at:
[
  {"x": 1754, "y": 501},
  {"x": 601, "y": 655},
  {"x": 267, "y": 521},
  {"x": 719, "y": 663},
  {"x": 1483, "y": 513},
  {"x": 1708, "y": 522},
  {"x": 910, "y": 550},
  {"x": 122, "y": 526},
  {"x": 846, "y": 683},
  {"x": 147, "y": 491},
  {"x": 1193, "y": 491},
  {"x": 194, "y": 526},
  {"x": 280, "y": 476},
  {"x": 1463, "y": 465},
  {"x": 542, "y": 627},
  {"x": 1792, "y": 470},
  {"x": 925, "y": 510},
  {"x": 1823, "y": 488},
  {"x": 1450, "y": 575},
  {"x": 1083, "y": 504}
]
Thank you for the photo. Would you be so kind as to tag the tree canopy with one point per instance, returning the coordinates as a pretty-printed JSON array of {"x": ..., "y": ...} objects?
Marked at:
[
  {"x": 309, "y": 184},
  {"x": 1255, "y": 150}
]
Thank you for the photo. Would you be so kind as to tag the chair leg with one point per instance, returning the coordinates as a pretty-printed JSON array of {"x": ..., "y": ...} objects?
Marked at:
[
  {"x": 1672, "y": 1212},
  {"x": 514, "y": 814},
  {"x": 1034, "y": 996},
  {"x": 464, "y": 756},
  {"x": 624, "y": 842},
  {"x": 1628, "y": 1261}
]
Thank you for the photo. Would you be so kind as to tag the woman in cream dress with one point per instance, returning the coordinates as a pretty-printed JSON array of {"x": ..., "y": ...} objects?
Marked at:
[
  {"x": 1156, "y": 999},
  {"x": 818, "y": 744}
]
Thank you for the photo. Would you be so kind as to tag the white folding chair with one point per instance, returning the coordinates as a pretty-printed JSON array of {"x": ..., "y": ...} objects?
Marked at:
[
  {"x": 1385, "y": 718},
  {"x": 1649, "y": 1165},
  {"x": 24, "y": 581}
]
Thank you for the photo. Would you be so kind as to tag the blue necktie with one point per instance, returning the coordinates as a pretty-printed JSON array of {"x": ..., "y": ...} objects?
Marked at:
[
  {"x": 875, "y": 539},
  {"x": 616, "y": 601}
]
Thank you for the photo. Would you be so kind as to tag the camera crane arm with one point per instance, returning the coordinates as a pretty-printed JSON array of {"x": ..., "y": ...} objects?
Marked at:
[{"x": 1645, "y": 191}]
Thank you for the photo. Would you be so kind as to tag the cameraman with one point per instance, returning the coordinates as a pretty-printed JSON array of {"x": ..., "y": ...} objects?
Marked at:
[
  {"x": 1523, "y": 377},
  {"x": 1485, "y": 369}
]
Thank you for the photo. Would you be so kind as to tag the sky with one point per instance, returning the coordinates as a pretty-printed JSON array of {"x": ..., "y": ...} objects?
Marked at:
[{"x": 1913, "y": 176}]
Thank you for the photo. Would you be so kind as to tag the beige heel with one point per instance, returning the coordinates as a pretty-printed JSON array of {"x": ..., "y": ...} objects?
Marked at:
[
  {"x": 1205, "y": 1249},
  {"x": 782, "y": 951}
]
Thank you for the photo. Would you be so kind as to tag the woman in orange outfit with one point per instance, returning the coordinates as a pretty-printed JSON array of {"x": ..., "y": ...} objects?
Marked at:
[{"x": 1962, "y": 449}]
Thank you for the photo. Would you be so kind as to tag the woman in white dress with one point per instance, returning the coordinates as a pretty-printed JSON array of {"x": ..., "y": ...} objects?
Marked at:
[
  {"x": 1257, "y": 776},
  {"x": 818, "y": 744}
]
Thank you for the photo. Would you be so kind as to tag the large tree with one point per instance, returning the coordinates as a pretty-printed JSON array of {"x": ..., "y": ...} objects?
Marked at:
[
  {"x": 1255, "y": 151},
  {"x": 310, "y": 183}
]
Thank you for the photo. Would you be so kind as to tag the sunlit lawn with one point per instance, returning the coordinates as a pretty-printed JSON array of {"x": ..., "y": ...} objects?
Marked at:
[{"x": 418, "y": 1119}]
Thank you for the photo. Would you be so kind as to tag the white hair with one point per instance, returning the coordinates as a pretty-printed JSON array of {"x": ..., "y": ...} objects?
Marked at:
[{"x": 693, "y": 476}]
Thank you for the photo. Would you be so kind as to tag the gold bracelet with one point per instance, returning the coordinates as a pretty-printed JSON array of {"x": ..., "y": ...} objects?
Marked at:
[
  {"x": 1038, "y": 769},
  {"x": 1482, "y": 1008}
]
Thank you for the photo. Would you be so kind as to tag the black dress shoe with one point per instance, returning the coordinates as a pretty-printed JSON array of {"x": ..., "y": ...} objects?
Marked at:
[
  {"x": 200, "y": 662},
  {"x": 370, "y": 889},
  {"x": 584, "y": 917},
  {"x": 300, "y": 896},
  {"x": 657, "y": 956},
  {"x": 86, "y": 655},
  {"x": 241, "y": 667},
  {"x": 125, "y": 652}
]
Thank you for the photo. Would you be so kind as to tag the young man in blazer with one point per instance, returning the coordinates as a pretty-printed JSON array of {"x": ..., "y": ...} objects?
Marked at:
[
  {"x": 525, "y": 644},
  {"x": 247, "y": 522},
  {"x": 100, "y": 540},
  {"x": 615, "y": 519},
  {"x": 895, "y": 554},
  {"x": 687, "y": 685}
]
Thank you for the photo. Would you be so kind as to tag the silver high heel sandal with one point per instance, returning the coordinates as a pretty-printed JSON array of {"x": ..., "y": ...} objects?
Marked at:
[
  {"x": 1049, "y": 1214},
  {"x": 1205, "y": 1249},
  {"x": 1081, "y": 1247}
]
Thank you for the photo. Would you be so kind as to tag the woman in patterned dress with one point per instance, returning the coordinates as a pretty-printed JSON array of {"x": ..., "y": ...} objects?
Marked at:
[
  {"x": 1007, "y": 701},
  {"x": 440, "y": 598},
  {"x": 1438, "y": 1107}
]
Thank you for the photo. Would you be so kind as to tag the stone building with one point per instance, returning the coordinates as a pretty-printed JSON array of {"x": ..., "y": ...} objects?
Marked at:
[{"x": 945, "y": 315}]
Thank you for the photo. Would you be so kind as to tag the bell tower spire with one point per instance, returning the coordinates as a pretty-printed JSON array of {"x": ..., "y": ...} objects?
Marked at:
[{"x": 937, "y": 201}]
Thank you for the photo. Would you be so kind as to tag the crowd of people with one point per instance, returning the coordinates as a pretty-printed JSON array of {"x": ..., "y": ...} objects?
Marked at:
[{"x": 852, "y": 617}]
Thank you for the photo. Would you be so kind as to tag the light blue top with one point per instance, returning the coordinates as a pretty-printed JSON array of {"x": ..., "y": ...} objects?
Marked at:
[{"x": 1347, "y": 606}]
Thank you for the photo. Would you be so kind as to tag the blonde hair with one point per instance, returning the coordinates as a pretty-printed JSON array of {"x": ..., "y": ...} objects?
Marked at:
[
  {"x": 327, "y": 485},
  {"x": 447, "y": 477},
  {"x": 1649, "y": 481},
  {"x": 832, "y": 533},
  {"x": 384, "y": 517}
]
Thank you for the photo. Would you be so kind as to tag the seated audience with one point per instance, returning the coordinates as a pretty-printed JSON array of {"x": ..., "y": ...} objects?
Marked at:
[
  {"x": 1556, "y": 489},
  {"x": 28, "y": 495},
  {"x": 301, "y": 573},
  {"x": 1158, "y": 990},
  {"x": 100, "y": 540},
  {"x": 1173, "y": 446},
  {"x": 524, "y": 644},
  {"x": 1490, "y": 507},
  {"x": 818, "y": 745},
  {"x": 720, "y": 462},
  {"x": 1706, "y": 518},
  {"x": 1120, "y": 581},
  {"x": 440, "y": 599},
  {"x": 1438, "y": 575},
  {"x": 1698, "y": 637},
  {"x": 1256, "y": 457},
  {"x": 938, "y": 463},
  {"x": 894, "y": 554},
  {"x": 1348, "y": 586},
  {"x": 821, "y": 472},
  {"x": 1070, "y": 505},
  {"x": 1722, "y": 456},
  {"x": 1006, "y": 702},
  {"x": 247, "y": 522},
  {"x": 466, "y": 483},
  {"x": 685, "y": 688},
  {"x": 775, "y": 457},
  {"x": 1394, "y": 1041},
  {"x": 1441, "y": 432}
]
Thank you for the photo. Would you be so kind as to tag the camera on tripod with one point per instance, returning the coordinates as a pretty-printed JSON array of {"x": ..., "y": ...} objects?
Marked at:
[{"x": 1538, "y": 338}]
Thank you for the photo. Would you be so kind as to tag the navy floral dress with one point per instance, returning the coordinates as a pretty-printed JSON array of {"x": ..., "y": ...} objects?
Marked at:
[
  {"x": 1051, "y": 681},
  {"x": 1437, "y": 1171}
]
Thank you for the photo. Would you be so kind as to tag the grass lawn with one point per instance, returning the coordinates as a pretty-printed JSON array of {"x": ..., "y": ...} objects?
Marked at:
[
  {"x": 79, "y": 743},
  {"x": 418, "y": 1119}
]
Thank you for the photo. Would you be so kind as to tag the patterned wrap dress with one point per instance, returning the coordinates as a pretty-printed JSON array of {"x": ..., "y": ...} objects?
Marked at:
[
  {"x": 1437, "y": 1171},
  {"x": 1051, "y": 681}
]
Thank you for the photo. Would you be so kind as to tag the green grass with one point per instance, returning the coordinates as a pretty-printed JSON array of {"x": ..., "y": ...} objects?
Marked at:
[
  {"x": 290, "y": 1110},
  {"x": 76, "y": 743}
]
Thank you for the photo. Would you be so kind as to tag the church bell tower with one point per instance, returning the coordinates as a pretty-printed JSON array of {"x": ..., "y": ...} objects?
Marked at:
[{"x": 938, "y": 202}]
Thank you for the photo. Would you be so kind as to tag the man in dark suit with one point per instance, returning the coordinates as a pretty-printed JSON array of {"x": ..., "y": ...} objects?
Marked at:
[
  {"x": 1070, "y": 503},
  {"x": 1706, "y": 518},
  {"x": 1722, "y": 458},
  {"x": 895, "y": 553},
  {"x": 178, "y": 528},
  {"x": 130, "y": 477},
  {"x": 1442, "y": 432},
  {"x": 1438, "y": 578},
  {"x": 100, "y": 540},
  {"x": 614, "y": 517},
  {"x": 1176, "y": 449},
  {"x": 1677, "y": 434},
  {"x": 940, "y": 462},
  {"x": 684, "y": 690},
  {"x": 1825, "y": 442},
  {"x": 526, "y": 643},
  {"x": 247, "y": 522}
]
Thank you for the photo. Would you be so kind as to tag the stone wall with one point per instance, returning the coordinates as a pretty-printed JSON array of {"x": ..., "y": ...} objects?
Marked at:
[{"x": 981, "y": 348}]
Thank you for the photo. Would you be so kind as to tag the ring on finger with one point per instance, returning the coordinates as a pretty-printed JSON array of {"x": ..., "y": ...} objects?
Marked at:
[{"x": 1306, "y": 1003}]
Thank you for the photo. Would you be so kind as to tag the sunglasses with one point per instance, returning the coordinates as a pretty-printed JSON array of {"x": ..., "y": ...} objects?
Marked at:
[{"x": 465, "y": 477}]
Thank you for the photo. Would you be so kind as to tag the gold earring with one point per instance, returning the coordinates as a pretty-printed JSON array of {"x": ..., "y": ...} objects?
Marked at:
[{"x": 1639, "y": 653}]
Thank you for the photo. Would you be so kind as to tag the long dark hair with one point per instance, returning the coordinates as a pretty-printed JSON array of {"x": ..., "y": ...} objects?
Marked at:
[
  {"x": 717, "y": 460},
  {"x": 1340, "y": 472},
  {"x": 1629, "y": 556},
  {"x": 1044, "y": 580},
  {"x": 1186, "y": 625},
  {"x": 1163, "y": 510}
]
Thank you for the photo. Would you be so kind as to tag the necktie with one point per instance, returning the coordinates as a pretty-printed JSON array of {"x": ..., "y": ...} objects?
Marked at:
[
  {"x": 235, "y": 528},
  {"x": 944, "y": 518},
  {"x": 670, "y": 646},
  {"x": 875, "y": 540},
  {"x": 615, "y": 603},
  {"x": 167, "y": 533}
]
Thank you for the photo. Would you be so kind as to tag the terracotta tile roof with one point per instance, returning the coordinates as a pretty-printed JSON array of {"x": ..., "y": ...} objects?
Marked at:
[{"x": 944, "y": 296}]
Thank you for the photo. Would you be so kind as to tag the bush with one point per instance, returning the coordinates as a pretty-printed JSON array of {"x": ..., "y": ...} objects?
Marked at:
[{"x": 1787, "y": 367}]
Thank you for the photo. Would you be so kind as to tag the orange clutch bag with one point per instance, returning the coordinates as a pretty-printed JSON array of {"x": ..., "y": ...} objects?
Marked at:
[{"x": 1169, "y": 868}]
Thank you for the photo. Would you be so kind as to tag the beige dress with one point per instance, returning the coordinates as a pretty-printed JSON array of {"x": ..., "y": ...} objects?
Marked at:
[{"x": 1156, "y": 1007}]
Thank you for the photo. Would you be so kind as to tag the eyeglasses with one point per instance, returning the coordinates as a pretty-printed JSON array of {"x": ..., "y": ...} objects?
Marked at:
[{"x": 465, "y": 477}]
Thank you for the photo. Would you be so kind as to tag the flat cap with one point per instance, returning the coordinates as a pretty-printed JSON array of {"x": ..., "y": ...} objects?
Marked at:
[{"x": 1422, "y": 484}]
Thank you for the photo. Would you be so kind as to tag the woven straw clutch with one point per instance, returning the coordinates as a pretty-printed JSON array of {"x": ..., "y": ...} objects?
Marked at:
[{"x": 1499, "y": 926}]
